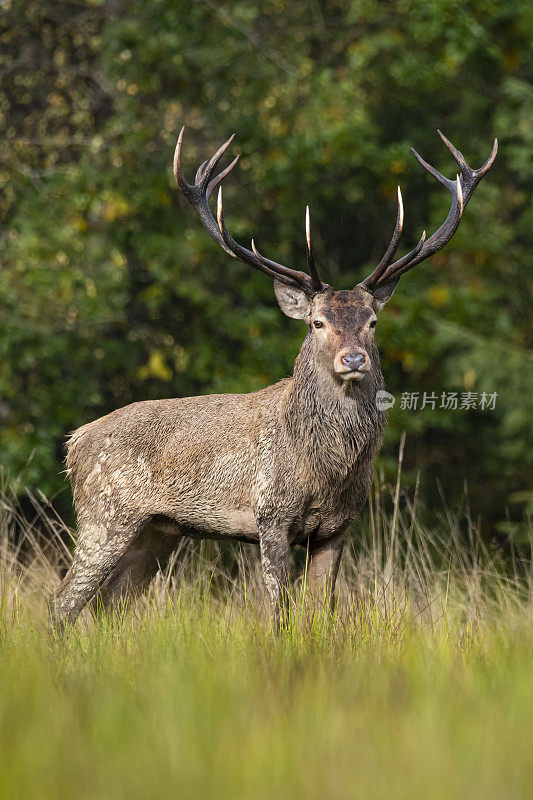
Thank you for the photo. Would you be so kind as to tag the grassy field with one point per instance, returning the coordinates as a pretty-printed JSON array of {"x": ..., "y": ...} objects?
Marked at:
[{"x": 419, "y": 686}]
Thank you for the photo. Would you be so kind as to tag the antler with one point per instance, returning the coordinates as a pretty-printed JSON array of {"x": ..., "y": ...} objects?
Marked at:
[
  {"x": 461, "y": 190},
  {"x": 199, "y": 193},
  {"x": 198, "y": 196}
]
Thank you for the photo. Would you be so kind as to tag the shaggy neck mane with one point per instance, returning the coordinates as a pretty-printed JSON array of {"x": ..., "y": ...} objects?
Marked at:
[{"x": 333, "y": 423}]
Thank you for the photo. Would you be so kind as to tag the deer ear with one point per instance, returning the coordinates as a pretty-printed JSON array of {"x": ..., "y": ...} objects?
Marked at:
[
  {"x": 292, "y": 301},
  {"x": 382, "y": 294}
]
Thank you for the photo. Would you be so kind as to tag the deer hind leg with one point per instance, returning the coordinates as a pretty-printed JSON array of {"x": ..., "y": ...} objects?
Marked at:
[
  {"x": 98, "y": 551},
  {"x": 146, "y": 555},
  {"x": 322, "y": 569}
]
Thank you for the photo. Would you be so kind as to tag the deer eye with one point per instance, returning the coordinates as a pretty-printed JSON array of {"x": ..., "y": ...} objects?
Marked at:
[
  {"x": 373, "y": 323},
  {"x": 318, "y": 323}
]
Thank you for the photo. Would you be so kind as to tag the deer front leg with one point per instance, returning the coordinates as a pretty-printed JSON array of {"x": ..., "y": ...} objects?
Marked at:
[
  {"x": 322, "y": 569},
  {"x": 275, "y": 562}
]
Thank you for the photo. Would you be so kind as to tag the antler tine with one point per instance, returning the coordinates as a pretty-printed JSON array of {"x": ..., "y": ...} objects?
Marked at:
[
  {"x": 290, "y": 277},
  {"x": 432, "y": 171},
  {"x": 391, "y": 249},
  {"x": 213, "y": 161},
  {"x": 404, "y": 263},
  {"x": 176, "y": 167},
  {"x": 299, "y": 278},
  {"x": 200, "y": 172},
  {"x": 204, "y": 171},
  {"x": 216, "y": 180},
  {"x": 469, "y": 177},
  {"x": 311, "y": 261}
]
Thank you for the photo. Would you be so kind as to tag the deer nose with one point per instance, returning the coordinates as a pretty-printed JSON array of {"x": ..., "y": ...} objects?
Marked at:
[{"x": 353, "y": 361}]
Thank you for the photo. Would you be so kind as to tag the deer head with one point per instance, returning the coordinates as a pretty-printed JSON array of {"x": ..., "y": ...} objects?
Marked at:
[{"x": 341, "y": 323}]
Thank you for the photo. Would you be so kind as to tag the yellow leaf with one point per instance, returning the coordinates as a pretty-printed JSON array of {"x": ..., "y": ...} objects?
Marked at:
[
  {"x": 408, "y": 360},
  {"x": 439, "y": 296},
  {"x": 116, "y": 207},
  {"x": 156, "y": 367},
  {"x": 469, "y": 378},
  {"x": 397, "y": 167}
]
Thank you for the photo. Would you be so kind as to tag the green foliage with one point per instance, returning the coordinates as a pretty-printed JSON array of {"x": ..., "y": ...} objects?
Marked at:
[{"x": 110, "y": 289}]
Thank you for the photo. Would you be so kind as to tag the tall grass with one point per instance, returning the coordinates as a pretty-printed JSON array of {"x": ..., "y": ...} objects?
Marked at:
[{"x": 418, "y": 685}]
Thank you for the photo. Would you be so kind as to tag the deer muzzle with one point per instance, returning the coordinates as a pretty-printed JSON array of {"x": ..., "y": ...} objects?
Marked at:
[{"x": 352, "y": 364}]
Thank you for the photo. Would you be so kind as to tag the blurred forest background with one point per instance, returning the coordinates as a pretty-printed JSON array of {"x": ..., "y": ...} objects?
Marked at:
[{"x": 111, "y": 291}]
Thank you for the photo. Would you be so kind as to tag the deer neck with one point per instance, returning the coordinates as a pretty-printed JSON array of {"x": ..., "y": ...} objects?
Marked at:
[{"x": 333, "y": 423}]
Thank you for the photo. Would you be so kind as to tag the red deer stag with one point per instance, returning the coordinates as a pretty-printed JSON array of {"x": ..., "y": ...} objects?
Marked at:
[{"x": 288, "y": 465}]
